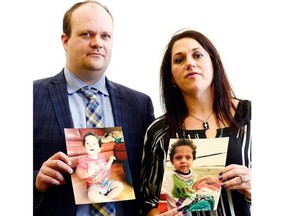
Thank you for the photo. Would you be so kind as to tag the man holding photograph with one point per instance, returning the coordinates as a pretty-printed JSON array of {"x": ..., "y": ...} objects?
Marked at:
[{"x": 87, "y": 40}]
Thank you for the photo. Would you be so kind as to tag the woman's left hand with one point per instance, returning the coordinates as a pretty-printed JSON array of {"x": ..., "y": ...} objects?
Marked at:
[{"x": 236, "y": 177}]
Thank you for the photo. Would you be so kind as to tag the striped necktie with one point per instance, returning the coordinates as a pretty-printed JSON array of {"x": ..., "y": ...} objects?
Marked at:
[{"x": 94, "y": 119}]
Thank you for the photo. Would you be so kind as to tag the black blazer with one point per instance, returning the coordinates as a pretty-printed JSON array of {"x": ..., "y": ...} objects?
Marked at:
[{"x": 132, "y": 110}]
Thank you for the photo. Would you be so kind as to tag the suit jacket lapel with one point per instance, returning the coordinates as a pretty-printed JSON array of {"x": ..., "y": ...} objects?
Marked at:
[
  {"x": 58, "y": 93},
  {"x": 59, "y": 98},
  {"x": 119, "y": 107}
]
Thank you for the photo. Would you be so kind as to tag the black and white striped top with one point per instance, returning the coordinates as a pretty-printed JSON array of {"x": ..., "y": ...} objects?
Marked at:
[{"x": 231, "y": 202}]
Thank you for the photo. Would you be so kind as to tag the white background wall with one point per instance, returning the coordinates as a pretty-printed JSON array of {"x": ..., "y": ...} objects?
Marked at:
[{"x": 250, "y": 35}]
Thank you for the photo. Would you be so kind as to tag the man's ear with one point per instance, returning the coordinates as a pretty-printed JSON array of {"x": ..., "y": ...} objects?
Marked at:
[{"x": 64, "y": 39}]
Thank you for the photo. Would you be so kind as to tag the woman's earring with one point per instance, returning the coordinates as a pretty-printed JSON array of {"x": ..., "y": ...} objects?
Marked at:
[{"x": 173, "y": 83}]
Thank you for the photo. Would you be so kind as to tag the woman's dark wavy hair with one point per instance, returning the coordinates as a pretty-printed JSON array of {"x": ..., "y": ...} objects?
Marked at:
[{"x": 172, "y": 100}]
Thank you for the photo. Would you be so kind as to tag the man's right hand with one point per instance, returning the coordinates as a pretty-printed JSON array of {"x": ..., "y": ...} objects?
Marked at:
[{"x": 52, "y": 171}]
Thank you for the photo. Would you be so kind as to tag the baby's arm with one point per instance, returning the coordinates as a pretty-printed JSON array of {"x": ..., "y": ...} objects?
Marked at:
[
  {"x": 109, "y": 163},
  {"x": 82, "y": 173},
  {"x": 86, "y": 173}
]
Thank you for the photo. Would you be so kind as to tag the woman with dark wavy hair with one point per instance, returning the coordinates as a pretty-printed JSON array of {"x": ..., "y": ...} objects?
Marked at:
[{"x": 198, "y": 102}]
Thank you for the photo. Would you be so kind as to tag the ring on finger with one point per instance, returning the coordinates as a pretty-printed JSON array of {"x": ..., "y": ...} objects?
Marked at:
[{"x": 243, "y": 179}]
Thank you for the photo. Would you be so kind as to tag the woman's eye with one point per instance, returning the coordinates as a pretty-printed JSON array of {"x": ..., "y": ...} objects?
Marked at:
[
  {"x": 179, "y": 60},
  {"x": 198, "y": 55}
]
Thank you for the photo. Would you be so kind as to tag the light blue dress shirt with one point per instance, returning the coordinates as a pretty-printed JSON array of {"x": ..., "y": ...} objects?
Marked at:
[{"x": 78, "y": 101}]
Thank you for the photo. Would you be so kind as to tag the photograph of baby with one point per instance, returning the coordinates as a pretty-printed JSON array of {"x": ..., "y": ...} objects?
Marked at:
[
  {"x": 191, "y": 174},
  {"x": 100, "y": 164}
]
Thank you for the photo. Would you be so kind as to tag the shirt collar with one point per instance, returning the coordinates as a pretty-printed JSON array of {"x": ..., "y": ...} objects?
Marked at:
[{"x": 74, "y": 83}]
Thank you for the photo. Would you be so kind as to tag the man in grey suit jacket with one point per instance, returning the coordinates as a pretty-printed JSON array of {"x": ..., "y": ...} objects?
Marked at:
[{"x": 57, "y": 104}]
